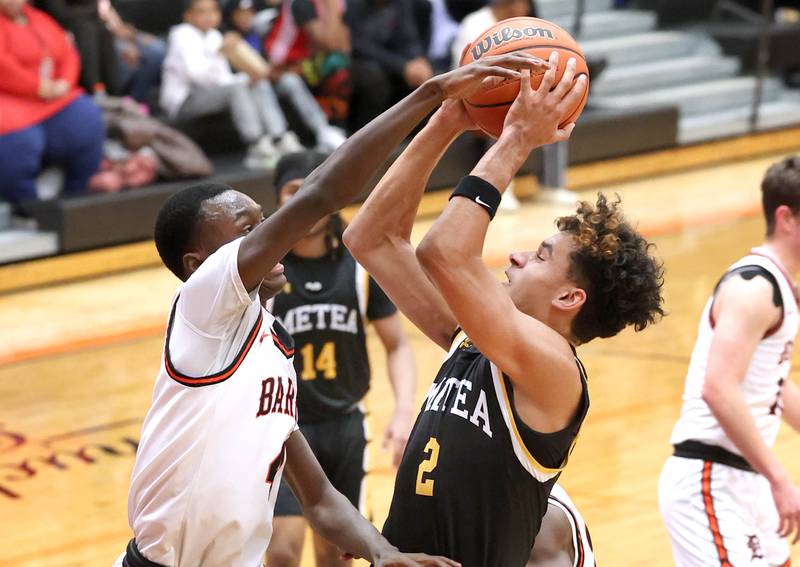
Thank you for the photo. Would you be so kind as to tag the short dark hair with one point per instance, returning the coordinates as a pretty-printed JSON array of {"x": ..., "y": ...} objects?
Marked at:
[
  {"x": 176, "y": 223},
  {"x": 781, "y": 186},
  {"x": 612, "y": 262},
  {"x": 297, "y": 165}
]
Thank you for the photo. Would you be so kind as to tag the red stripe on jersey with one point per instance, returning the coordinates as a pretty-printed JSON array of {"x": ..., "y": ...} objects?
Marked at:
[
  {"x": 708, "y": 502},
  {"x": 288, "y": 352},
  {"x": 218, "y": 377}
]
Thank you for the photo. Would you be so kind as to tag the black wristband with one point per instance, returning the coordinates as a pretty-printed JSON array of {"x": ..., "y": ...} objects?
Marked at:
[{"x": 480, "y": 191}]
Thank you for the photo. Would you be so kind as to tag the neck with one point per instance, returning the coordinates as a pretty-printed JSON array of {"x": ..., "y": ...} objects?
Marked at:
[
  {"x": 312, "y": 246},
  {"x": 500, "y": 13},
  {"x": 785, "y": 254}
]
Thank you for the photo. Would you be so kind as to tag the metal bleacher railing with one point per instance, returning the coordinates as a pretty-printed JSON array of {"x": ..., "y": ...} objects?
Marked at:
[{"x": 764, "y": 21}]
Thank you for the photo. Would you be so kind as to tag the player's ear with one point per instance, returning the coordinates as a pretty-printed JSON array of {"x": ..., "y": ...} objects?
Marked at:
[
  {"x": 191, "y": 261},
  {"x": 570, "y": 299}
]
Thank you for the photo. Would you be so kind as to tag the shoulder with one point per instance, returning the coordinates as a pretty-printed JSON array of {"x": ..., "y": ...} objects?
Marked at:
[
  {"x": 42, "y": 18},
  {"x": 746, "y": 300}
]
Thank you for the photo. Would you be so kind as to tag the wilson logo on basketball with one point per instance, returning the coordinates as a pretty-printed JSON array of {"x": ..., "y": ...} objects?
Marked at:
[{"x": 504, "y": 36}]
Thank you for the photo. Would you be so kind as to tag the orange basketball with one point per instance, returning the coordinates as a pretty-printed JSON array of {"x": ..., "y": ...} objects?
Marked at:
[{"x": 488, "y": 108}]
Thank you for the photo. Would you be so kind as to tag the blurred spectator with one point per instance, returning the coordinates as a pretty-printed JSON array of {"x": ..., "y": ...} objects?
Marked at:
[
  {"x": 288, "y": 84},
  {"x": 310, "y": 38},
  {"x": 384, "y": 34},
  {"x": 99, "y": 64},
  {"x": 479, "y": 21},
  {"x": 140, "y": 55},
  {"x": 459, "y": 9},
  {"x": 44, "y": 117},
  {"x": 240, "y": 16},
  {"x": 198, "y": 81},
  {"x": 443, "y": 32}
]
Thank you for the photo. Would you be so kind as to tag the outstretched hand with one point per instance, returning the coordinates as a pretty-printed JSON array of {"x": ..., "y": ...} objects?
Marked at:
[
  {"x": 536, "y": 113},
  {"x": 468, "y": 79}
]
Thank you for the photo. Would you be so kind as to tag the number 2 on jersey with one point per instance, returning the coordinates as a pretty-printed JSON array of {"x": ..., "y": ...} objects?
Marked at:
[
  {"x": 425, "y": 485},
  {"x": 325, "y": 362}
]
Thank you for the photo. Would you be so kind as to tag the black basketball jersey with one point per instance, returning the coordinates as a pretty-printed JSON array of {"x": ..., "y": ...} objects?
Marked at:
[
  {"x": 474, "y": 480},
  {"x": 324, "y": 306}
]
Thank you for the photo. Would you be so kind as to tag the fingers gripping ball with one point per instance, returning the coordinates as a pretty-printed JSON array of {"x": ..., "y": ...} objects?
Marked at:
[{"x": 488, "y": 107}]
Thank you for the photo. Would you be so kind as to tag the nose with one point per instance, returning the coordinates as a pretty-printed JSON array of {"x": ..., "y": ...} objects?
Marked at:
[{"x": 518, "y": 259}]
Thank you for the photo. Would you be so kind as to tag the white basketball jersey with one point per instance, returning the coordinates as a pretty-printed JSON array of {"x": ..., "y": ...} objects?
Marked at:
[
  {"x": 769, "y": 367},
  {"x": 212, "y": 450},
  {"x": 581, "y": 542}
]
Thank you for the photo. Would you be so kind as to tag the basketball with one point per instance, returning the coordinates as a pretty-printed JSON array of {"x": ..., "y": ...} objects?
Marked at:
[{"x": 488, "y": 107}]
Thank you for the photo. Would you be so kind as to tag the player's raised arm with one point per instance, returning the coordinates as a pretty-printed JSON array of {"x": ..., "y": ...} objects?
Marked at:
[
  {"x": 380, "y": 235},
  {"x": 333, "y": 517},
  {"x": 743, "y": 313},
  {"x": 343, "y": 175},
  {"x": 451, "y": 253}
]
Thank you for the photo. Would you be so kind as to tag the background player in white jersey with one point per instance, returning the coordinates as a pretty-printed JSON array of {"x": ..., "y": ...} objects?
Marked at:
[
  {"x": 725, "y": 498},
  {"x": 222, "y": 422},
  {"x": 564, "y": 539}
]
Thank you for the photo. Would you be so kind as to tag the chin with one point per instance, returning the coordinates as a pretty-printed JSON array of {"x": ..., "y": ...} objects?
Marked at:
[{"x": 272, "y": 287}]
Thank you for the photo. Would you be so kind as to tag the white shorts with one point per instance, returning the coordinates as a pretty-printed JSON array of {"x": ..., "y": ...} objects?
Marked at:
[
  {"x": 719, "y": 515},
  {"x": 581, "y": 542}
]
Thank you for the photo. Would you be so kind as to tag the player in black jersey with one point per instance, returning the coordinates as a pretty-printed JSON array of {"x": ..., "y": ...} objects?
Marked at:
[
  {"x": 504, "y": 410},
  {"x": 325, "y": 305}
]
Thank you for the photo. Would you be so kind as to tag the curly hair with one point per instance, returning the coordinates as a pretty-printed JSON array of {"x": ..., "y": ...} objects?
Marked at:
[{"x": 612, "y": 263}]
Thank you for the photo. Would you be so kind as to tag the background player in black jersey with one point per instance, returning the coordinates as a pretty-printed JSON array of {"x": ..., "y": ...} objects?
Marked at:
[
  {"x": 325, "y": 305},
  {"x": 506, "y": 406}
]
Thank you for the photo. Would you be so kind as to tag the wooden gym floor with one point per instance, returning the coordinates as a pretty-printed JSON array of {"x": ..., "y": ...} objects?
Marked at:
[{"x": 77, "y": 363}]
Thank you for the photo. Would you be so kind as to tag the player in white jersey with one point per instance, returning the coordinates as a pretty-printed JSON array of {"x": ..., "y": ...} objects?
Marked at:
[
  {"x": 725, "y": 498},
  {"x": 223, "y": 423},
  {"x": 564, "y": 539}
]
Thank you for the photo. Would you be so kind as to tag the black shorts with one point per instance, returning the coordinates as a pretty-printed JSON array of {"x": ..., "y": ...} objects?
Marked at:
[{"x": 340, "y": 446}]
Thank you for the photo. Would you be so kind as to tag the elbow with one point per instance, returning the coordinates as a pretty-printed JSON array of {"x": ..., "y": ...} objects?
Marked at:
[
  {"x": 710, "y": 394},
  {"x": 431, "y": 255}
]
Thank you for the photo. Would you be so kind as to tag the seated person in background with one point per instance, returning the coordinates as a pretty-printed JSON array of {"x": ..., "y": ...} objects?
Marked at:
[
  {"x": 44, "y": 116},
  {"x": 459, "y": 9},
  {"x": 384, "y": 34},
  {"x": 239, "y": 20},
  {"x": 310, "y": 38},
  {"x": 99, "y": 71},
  {"x": 239, "y": 16},
  {"x": 198, "y": 81},
  {"x": 479, "y": 21},
  {"x": 140, "y": 55}
]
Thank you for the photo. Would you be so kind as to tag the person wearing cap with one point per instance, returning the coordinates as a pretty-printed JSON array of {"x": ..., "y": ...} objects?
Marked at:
[{"x": 326, "y": 304}]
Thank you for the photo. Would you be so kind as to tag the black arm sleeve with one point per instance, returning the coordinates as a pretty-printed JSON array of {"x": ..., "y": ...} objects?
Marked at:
[{"x": 379, "y": 305}]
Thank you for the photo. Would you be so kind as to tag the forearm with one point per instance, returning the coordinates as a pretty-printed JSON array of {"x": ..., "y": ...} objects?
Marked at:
[
  {"x": 345, "y": 173},
  {"x": 336, "y": 520},
  {"x": 391, "y": 208},
  {"x": 734, "y": 416},
  {"x": 502, "y": 161},
  {"x": 333, "y": 184},
  {"x": 403, "y": 377}
]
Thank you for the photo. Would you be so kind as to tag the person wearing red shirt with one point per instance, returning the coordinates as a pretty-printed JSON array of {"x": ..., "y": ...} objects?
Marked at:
[{"x": 44, "y": 117}]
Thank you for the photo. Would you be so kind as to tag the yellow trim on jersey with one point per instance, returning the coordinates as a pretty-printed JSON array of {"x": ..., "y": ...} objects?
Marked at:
[
  {"x": 365, "y": 283},
  {"x": 533, "y": 462}
]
